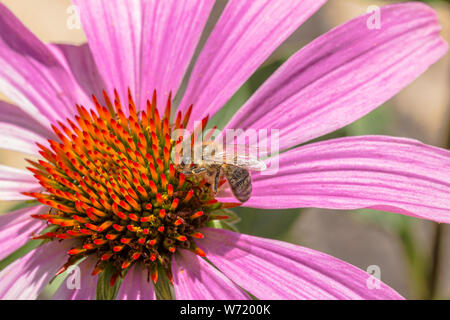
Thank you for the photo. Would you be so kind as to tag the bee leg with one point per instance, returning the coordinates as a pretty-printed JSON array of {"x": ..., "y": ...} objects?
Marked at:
[
  {"x": 216, "y": 180},
  {"x": 198, "y": 170}
]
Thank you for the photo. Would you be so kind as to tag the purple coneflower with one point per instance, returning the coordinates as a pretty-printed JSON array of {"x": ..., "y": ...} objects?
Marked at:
[{"x": 110, "y": 198}]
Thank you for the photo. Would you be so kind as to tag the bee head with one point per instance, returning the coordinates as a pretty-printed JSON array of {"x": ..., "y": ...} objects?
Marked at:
[{"x": 186, "y": 160}]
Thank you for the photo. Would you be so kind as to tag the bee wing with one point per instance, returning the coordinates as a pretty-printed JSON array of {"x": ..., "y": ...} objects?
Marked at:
[
  {"x": 247, "y": 149},
  {"x": 249, "y": 162},
  {"x": 237, "y": 148},
  {"x": 241, "y": 149}
]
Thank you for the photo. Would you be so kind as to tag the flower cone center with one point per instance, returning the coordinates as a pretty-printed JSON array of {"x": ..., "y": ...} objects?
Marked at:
[{"x": 113, "y": 190}]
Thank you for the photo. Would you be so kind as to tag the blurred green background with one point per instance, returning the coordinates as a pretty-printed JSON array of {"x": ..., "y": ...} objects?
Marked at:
[{"x": 414, "y": 255}]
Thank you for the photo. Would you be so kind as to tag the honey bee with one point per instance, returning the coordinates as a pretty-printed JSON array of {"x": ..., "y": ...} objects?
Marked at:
[{"x": 233, "y": 165}]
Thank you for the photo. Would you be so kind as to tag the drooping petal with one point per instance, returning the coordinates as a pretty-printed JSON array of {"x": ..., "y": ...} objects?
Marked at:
[
  {"x": 243, "y": 38},
  {"x": 87, "y": 283},
  {"x": 196, "y": 279},
  {"x": 144, "y": 45},
  {"x": 17, "y": 228},
  {"x": 31, "y": 76},
  {"x": 378, "y": 172},
  {"x": 345, "y": 74},
  {"x": 136, "y": 285},
  {"x": 26, "y": 277},
  {"x": 19, "y": 131},
  {"x": 15, "y": 181},
  {"x": 270, "y": 269},
  {"x": 79, "y": 61}
]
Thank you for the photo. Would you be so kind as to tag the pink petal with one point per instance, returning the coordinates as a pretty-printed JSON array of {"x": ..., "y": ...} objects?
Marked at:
[
  {"x": 19, "y": 131},
  {"x": 196, "y": 279},
  {"x": 88, "y": 283},
  {"x": 17, "y": 228},
  {"x": 79, "y": 62},
  {"x": 31, "y": 76},
  {"x": 271, "y": 269},
  {"x": 345, "y": 74},
  {"x": 378, "y": 172},
  {"x": 15, "y": 181},
  {"x": 244, "y": 37},
  {"x": 144, "y": 45},
  {"x": 136, "y": 285},
  {"x": 26, "y": 277}
]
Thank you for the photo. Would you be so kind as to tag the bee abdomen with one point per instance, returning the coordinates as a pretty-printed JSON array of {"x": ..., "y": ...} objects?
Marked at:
[{"x": 240, "y": 182}]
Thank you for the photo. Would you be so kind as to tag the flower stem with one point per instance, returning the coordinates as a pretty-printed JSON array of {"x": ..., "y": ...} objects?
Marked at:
[
  {"x": 437, "y": 244},
  {"x": 433, "y": 279},
  {"x": 163, "y": 288}
]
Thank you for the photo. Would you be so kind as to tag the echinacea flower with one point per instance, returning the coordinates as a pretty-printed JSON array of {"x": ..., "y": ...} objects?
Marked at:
[{"x": 110, "y": 196}]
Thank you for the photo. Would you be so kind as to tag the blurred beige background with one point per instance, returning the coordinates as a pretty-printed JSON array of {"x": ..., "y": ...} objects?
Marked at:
[{"x": 420, "y": 111}]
